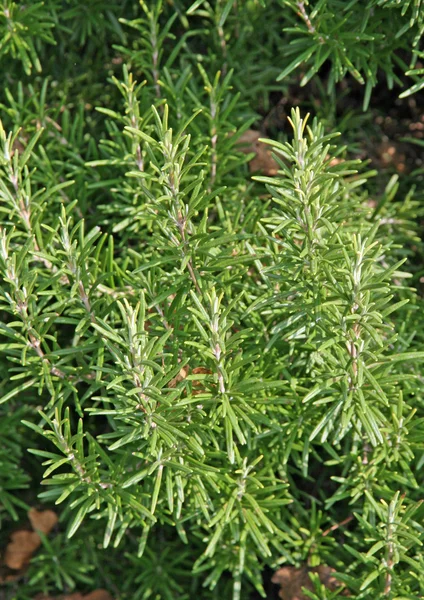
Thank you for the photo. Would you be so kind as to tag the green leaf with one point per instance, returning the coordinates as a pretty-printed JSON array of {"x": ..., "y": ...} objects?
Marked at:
[{"x": 75, "y": 523}]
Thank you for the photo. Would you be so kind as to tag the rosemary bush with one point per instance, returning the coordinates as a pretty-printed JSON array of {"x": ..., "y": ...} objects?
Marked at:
[{"x": 208, "y": 374}]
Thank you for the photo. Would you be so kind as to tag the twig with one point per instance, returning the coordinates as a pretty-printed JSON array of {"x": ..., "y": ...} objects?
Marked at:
[
  {"x": 302, "y": 12},
  {"x": 389, "y": 556},
  {"x": 181, "y": 226},
  {"x": 337, "y": 525},
  {"x": 155, "y": 59},
  {"x": 223, "y": 44},
  {"x": 214, "y": 140}
]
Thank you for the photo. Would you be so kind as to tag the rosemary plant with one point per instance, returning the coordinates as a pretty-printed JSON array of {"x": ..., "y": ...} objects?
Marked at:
[{"x": 206, "y": 374}]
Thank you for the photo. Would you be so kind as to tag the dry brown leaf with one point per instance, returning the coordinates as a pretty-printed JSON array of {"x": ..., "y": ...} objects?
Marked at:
[
  {"x": 263, "y": 162},
  {"x": 20, "y": 549},
  {"x": 180, "y": 377},
  {"x": 98, "y": 595},
  {"x": 75, "y": 596},
  {"x": 23, "y": 543},
  {"x": 42, "y": 520},
  {"x": 292, "y": 581},
  {"x": 326, "y": 577},
  {"x": 247, "y": 140},
  {"x": 197, "y": 384},
  {"x": 19, "y": 145},
  {"x": 201, "y": 371}
]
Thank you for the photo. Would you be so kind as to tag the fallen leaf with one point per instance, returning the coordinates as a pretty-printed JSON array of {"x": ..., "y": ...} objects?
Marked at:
[
  {"x": 98, "y": 595},
  {"x": 201, "y": 371},
  {"x": 42, "y": 520},
  {"x": 18, "y": 145},
  {"x": 247, "y": 140},
  {"x": 292, "y": 581},
  {"x": 20, "y": 549},
  {"x": 263, "y": 162},
  {"x": 180, "y": 377},
  {"x": 326, "y": 576},
  {"x": 76, "y": 596},
  {"x": 197, "y": 384}
]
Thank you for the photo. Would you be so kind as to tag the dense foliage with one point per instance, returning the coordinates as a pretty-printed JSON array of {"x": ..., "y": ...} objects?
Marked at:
[{"x": 209, "y": 374}]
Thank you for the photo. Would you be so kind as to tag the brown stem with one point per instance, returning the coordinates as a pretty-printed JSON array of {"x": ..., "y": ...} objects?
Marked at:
[
  {"x": 337, "y": 525},
  {"x": 76, "y": 465},
  {"x": 85, "y": 300},
  {"x": 214, "y": 157},
  {"x": 35, "y": 345},
  {"x": 25, "y": 212},
  {"x": 214, "y": 141},
  {"x": 223, "y": 45},
  {"x": 302, "y": 12},
  {"x": 389, "y": 559},
  {"x": 139, "y": 160},
  {"x": 353, "y": 349},
  {"x": 181, "y": 226},
  {"x": 155, "y": 58},
  {"x": 193, "y": 276},
  {"x": 367, "y": 450}
]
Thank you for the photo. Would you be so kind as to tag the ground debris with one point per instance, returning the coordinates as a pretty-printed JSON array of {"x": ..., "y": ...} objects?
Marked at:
[
  {"x": 99, "y": 594},
  {"x": 23, "y": 543},
  {"x": 263, "y": 161},
  {"x": 42, "y": 520},
  {"x": 292, "y": 580}
]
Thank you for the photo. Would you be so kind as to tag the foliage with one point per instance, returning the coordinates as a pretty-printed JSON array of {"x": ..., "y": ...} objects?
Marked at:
[{"x": 207, "y": 373}]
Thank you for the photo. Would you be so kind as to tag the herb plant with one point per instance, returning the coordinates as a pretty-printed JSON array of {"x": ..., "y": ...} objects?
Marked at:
[{"x": 207, "y": 373}]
